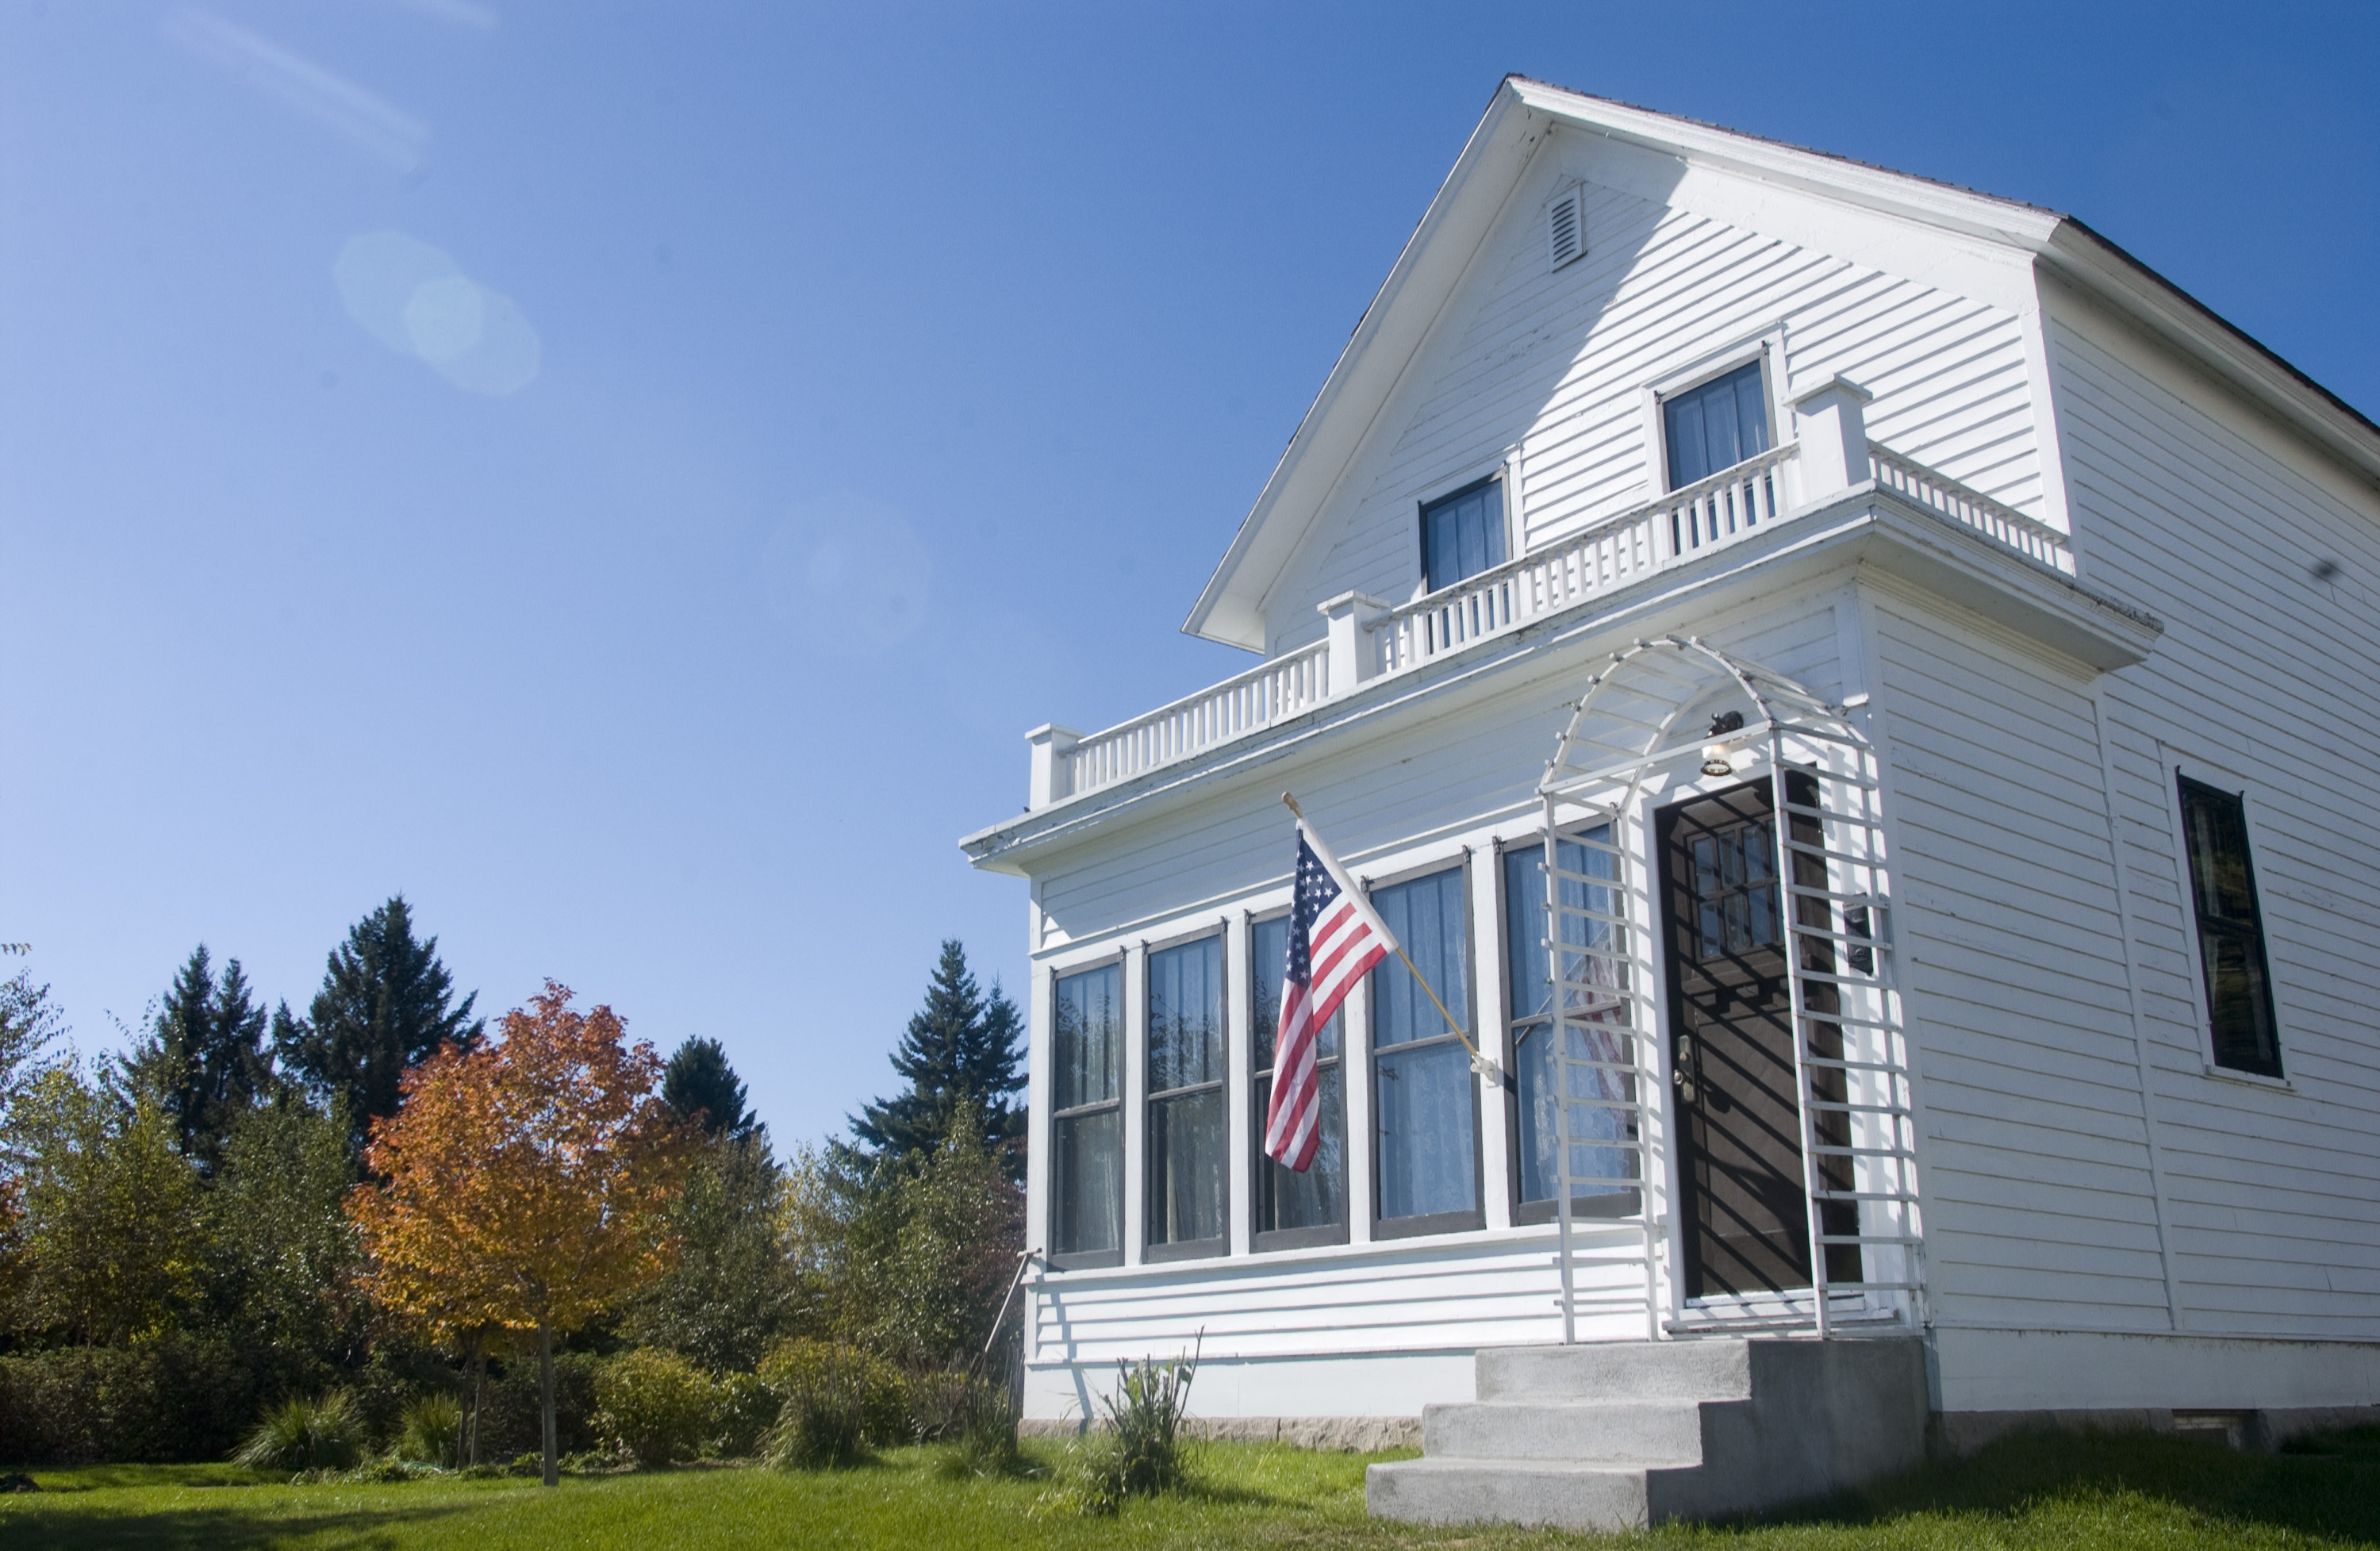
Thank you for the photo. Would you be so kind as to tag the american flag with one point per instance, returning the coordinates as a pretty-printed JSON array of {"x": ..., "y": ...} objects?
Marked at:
[{"x": 1334, "y": 937}]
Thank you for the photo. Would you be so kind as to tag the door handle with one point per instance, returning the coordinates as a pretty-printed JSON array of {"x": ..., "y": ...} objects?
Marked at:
[{"x": 1685, "y": 1068}]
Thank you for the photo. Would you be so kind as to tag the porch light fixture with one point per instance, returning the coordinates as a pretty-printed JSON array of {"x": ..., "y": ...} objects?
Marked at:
[{"x": 1716, "y": 759}]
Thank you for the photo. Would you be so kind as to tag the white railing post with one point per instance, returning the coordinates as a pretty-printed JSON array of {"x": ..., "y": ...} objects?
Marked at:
[
  {"x": 1832, "y": 428},
  {"x": 1354, "y": 659},
  {"x": 1049, "y": 782}
]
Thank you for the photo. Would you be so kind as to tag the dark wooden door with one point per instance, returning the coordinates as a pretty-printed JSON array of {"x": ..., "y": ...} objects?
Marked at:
[{"x": 1746, "y": 1213}]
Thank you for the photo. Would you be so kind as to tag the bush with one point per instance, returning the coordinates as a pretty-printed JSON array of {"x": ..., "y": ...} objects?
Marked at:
[
  {"x": 172, "y": 1398},
  {"x": 326, "y": 1434},
  {"x": 838, "y": 1401},
  {"x": 431, "y": 1432},
  {"x": 746, "y": 1407},
  {"x": 512, "y": 1424},
  {"x": 1140, "y": 1451},
  {"x": 656, "y": 1405}
]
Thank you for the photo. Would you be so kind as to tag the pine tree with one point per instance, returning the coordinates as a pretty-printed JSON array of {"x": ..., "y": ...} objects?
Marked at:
[
  {"x": 963, "y": 1050},
  {"x": 203, "y": 1060},
  {"x": 386, "y": 1005},
  {"x": 699, "y": 1082}
]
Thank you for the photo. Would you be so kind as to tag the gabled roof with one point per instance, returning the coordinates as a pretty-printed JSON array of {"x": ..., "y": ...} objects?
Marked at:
[{"x": 1522, "y": 113}]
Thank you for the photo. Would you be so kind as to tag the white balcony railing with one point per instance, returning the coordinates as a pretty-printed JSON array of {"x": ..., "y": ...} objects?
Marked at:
[{"x": 1728, "y": 508}]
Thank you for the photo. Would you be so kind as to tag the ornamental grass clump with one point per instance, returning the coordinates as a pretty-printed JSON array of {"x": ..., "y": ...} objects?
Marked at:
[
  {"x": 975, "y": 1416},
  {"x": 431, "y": 1432},
  {"x": 839, "y": 1402},
  {"x": 323, "y": 1433},
  {"x": 1139, "y": 1450}
]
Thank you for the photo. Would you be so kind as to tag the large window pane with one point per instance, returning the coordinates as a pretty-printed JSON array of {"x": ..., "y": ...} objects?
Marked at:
[
  {"x": 1088, "y": 1177},
  {"x": 2230, "y": 930},
  {"x": 1715, "y": 426},
  {"x": 1090, "y": 1015},
  {"x": 1463, "y": 534},
  {"x": 1269, "y": 954},
  {"x": 1185, "y": 1015},
  {"x": 1602, "y": 1101},
  {"x": 1287, "y": 1201},
  {"x": 1428, "y": 1151},
  {"x": 1185, "y": 1168}
]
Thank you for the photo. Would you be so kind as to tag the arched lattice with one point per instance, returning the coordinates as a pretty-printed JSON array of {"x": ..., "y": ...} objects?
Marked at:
[{"x": 1644, "y": 729}]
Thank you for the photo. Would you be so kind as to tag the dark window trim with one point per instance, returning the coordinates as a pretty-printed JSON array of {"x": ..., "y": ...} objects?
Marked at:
[
  {"x": 1266, "y": 1239},
  {"x": 1153, "y": 1249},
  {"x": 1087, "y": 1260},
  {"x": 1616, "y": 1207},
  {"x": 1421, "y": 521},
  {"x": 1435, "y": 1222},
  {"x": 2203, "y": 994}
]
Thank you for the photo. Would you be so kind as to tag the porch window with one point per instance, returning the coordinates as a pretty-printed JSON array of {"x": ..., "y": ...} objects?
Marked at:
[
  {"x": 1463, "y": 534},
  {"x": 2230, "y": 930},
  {"x": 1086, "y": 1120},
  {"x": 1427, "y": 1144},
  {"x": 1291, "y": 1208},
  {"x": 1186, "y": 1171},
  {"x": 1715, "y": 426},
  {"x": 1602, "y": 1102}
]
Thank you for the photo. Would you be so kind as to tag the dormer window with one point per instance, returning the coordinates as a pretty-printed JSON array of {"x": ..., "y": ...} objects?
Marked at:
[
  {"x": 1463, "y": 534},
  {"x": 1716, "y": 425}
]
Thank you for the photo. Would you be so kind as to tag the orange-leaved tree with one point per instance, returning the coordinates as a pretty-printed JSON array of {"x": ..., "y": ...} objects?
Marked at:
[{"x": 523, "y": 1183}]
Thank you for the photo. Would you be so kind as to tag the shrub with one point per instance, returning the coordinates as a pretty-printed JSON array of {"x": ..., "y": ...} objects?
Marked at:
[
  {"x": 326, "y": 1434},
  {"x": 431, "y": 1432},
  {"x": 1140, "y": 1451},
  {"x": 655, "y": 1404},
  {"x": 172, "y": 1398},
  {"x": 746, "y": 1407},
  {"x": 838, "y": 1400},
  {"x": 512, "y": 1424}
]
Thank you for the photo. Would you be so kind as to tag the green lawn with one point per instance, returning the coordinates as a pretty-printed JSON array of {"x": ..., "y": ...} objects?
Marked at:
[{"x": 2060, "y": 1491}]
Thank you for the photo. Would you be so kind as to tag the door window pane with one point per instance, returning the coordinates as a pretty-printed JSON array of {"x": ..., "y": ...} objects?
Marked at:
[
  {"x": 1463, "y": 534},
  {"x": 1086, "y": 1141},
  {"x": 1716, "y": 426},
  {"x": 1422, "y": 1091},
  {"x": 2230, "y": 930},
  {"x": 1602, "y": 1102}
]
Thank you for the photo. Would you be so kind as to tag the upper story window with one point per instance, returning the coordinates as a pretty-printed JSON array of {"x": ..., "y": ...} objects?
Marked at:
[
  {"x": 1186, "y": 1168},
  {"x": 2230, "y": 930},
  {"x": 1715, "y": 426},
  {"x": 1463, "y": 534},
  {"x": 1087, "y": 1120}
]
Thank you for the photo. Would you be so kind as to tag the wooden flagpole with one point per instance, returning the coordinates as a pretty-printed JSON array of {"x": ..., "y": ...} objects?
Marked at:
[{"x": 1479, "y": 1063}]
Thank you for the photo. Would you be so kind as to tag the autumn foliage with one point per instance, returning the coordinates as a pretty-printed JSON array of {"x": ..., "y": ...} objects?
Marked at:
[{"x": 526, "y": 1182}]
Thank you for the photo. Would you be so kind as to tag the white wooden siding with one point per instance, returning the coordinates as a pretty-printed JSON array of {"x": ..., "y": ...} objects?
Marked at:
[
  {"x": 2212, "y": 518},
  {"x": 1556, "y": 362}
]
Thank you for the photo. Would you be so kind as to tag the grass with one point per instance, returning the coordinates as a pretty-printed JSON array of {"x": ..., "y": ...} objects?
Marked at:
[{"x": 2057, "y": 1492}]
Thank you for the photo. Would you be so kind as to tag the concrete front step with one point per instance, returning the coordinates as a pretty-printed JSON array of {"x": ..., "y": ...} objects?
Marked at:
[
  {"x": 1535, "y": 1492},
  {"x": 1619, "y": 1432}
]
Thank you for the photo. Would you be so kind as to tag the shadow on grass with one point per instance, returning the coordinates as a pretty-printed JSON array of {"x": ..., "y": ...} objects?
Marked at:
[
  {"x": 2328, "y": 1487},
  {"x": 65, "y": 1528}
]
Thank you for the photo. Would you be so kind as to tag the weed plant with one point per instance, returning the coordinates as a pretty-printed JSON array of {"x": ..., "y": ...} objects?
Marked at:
[
  {"x": 323, "y": 1433},
  {"x": 431, "y": 1432},
  {"x": 1140, "y": 1450}
]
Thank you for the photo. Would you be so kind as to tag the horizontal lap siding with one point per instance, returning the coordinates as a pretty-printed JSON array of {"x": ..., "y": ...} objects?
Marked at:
[
  {"x": 2042, "y": 1209},
  {"x": 2208, "y": 518},
  {"x": 1556, "y": 362}
]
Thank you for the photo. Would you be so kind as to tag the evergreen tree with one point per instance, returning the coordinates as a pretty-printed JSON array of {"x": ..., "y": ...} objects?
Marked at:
[
  {"x": 962, "y": 1051},
  {"x": 386, "y": 1005},
  {"x": 203, "y": 1060},
  {"x": 699, "y": 1082}
]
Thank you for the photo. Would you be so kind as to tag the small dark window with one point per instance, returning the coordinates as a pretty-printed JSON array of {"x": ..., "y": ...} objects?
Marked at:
[
  {"x": 2230, "y": 930},
  {"x": 1087, "y": 1120},
  {"x": 1716, "y": 426},
  {"x": 1463, "y": 534}
]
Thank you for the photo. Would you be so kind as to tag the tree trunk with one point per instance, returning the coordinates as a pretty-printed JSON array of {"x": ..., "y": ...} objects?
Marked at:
[
  {"x": 479, "y": 1391},
  {"x": 546, "y": 1383}
]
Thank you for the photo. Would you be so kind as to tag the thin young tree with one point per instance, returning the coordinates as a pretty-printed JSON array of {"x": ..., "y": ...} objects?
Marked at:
[
  {"x": 963, "y": 1051},
  {"x": 528, "y": 1181}
]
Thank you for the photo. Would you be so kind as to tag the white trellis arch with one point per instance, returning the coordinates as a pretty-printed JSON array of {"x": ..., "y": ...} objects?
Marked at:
[{"x": 1649, "y": 712}]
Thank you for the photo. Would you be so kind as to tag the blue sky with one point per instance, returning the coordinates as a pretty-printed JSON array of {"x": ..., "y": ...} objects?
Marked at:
[{"x": 809, "y": 400}]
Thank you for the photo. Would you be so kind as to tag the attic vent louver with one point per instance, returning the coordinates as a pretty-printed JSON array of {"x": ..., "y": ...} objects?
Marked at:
[{"x": 1565, "y": 230}]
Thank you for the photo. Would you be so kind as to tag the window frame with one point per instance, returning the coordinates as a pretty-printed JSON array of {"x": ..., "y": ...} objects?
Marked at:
[
  {"x": 1087, "y": 1260},
  {"x": 1767, "y": 349},
  {"x": 2180, "y": 767},
  {"x": 1476, "y": 1218},
  {"x": 1152, "y": 1249},
  {"x": 1263, "y": 1240},
  {"x": 1618, "y": 1207},
  {"x": 1500, "y": 471}
]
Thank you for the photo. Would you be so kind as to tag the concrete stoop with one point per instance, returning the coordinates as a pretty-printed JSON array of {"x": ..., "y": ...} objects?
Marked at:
[{"x": 1621, "y": 1435}]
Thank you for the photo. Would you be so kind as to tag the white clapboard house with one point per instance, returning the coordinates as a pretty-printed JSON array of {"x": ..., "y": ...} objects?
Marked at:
[{"x": 1863, "y": 686}]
